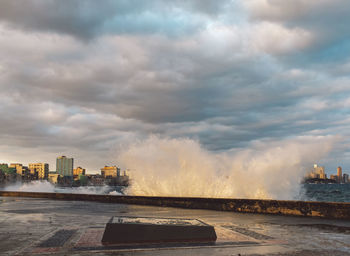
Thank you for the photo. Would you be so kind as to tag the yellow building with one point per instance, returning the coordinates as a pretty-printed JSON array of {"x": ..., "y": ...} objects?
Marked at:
[
  {"x": 110, "y": 171},
  {"x": 41, "y": 168},
  {"x": 19, "y": 167},
  {"x": 77, "y": 171},
  {"x": 339, "y": 174},
  {"x": 317, "y": 172},
  {"x": 53, "y": 178}
]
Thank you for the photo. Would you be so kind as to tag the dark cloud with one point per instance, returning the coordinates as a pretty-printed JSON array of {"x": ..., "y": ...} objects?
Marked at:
[
  {"x": 224, "y": 79},
  {"x": 81, "y": 18},
  {"x": 88, "y": 19}
]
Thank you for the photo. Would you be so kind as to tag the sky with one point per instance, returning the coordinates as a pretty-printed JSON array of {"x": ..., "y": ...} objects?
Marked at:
[{"x": 88, "y": 78}]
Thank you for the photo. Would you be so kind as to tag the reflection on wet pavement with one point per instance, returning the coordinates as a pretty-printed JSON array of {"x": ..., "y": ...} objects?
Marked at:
[{"x": 46, "y": 227}]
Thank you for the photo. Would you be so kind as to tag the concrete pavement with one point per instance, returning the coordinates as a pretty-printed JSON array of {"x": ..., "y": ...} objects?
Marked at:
[{"x": 48, "y": 227}]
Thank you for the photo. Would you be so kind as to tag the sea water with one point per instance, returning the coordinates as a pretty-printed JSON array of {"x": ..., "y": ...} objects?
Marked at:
[
  {"x": 308, "y": 192},
  {"x": 326, "y": 192}
]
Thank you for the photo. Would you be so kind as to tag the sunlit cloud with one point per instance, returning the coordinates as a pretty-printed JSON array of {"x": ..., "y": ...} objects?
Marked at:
[{"x": 88, "y": 79}]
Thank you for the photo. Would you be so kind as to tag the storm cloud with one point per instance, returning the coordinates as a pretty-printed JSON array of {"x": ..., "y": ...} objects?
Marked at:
[{"x": 85, "y": 78}]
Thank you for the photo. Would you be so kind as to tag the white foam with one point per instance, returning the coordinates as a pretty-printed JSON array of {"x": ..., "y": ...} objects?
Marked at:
[
  {"x": 181, "y": 167},
  {"x": 45, "y": 186}
]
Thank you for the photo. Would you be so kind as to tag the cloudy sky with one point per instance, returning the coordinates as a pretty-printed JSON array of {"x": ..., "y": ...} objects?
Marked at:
[{"x": 87, "y": 78}]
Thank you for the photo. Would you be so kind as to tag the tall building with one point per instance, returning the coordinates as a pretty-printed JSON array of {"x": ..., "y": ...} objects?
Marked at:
[
  {"x": 64, "y": 166},
  {"x": 110, "y": 171},
  {"x": 41, "y": 168},
  {"x": 339, "y": 174}
]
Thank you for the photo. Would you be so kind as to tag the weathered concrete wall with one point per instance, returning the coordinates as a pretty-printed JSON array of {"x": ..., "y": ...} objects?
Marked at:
[{"x": 278, "y": 207}]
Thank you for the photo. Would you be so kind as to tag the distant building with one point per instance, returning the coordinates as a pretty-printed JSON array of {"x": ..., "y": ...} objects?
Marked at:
[
  {"x": 126, "y": 173},
  {"x": 53, "y": 178},
  {"x": 65, "y": 181},
  {"x": 77, "y": 171},
  {"x": 64, "y": 166},
  {"x": 21, "y": 170},
  {"x": 346, "y": 178},
  {"x": 124, "y": 179},
  {"x": 17, "y": 166},
  {"x": 96, "y": 180},
  {"x": 334, "y": 177},
  {"x": 317, "y": 173},
  {"x": 319, "y": 170},
  {"x": 25, "y": 173},
  {"x": 339, "y": 174},
  {"x": 110, "y": 171},
  {"x": 83, "y": 179},
  {"x": 41, "y": 168}
]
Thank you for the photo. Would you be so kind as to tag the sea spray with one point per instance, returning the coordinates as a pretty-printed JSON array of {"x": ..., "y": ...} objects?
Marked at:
[
  {"x": 182, "y": 167},
  {"x": 33, "y": 186},
  {"x": 45, "y": 186}
]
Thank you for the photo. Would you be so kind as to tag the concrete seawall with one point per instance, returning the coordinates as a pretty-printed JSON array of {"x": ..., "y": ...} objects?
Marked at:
[{"x": 277, "y": 207}]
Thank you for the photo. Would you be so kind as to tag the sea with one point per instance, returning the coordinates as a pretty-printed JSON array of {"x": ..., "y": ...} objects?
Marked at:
[
  {"x": 326, "y": 192},
  {"x": 308, "y": 192}
]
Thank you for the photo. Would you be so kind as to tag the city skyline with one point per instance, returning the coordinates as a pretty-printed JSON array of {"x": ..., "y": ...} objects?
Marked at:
[
  {"x": 66, "y": 175},
  {"x": 90, "y": 80},
  {"x": 318, "y": 174},
  {"x": 54, "y": 168}
]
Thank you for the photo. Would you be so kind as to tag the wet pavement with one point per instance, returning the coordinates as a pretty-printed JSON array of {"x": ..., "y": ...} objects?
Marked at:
[{"x": 51, "y": 227}]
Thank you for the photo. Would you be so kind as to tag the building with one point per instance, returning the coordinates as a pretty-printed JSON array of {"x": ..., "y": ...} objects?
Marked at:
[
  {"x": 77, "y": 171},
  {"x": 339, "y": 174},
  {"x": 319, "y": 170},
  {"x": 346, "y": 178},
  {"x": 110, "y": 171},
  {"x": 41, "y": 168},
  {"x": 83, "y": 179},
  {"x": 126, "y": 172},
  {"x": 22, "y": 170},
  {"x": 26, "y": 176},
  {"x": 334, "y": 177},
  {"x": 53, "y": 178},
  {"x": 96, "y": 180},
  {"x": 317, "y": 173},
  {"x": 64, "y": 166},
  {"x": 18, "y": 167},
  {"x": 124, "y": 179},
  {"x": 65, "y": 181}
]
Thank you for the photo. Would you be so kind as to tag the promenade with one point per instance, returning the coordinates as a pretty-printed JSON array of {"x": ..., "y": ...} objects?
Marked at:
[{"x": 36, "y": 226}]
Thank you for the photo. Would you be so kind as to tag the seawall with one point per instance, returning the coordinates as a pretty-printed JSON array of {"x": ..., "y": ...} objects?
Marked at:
[{"x": 329, "y": 210}]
